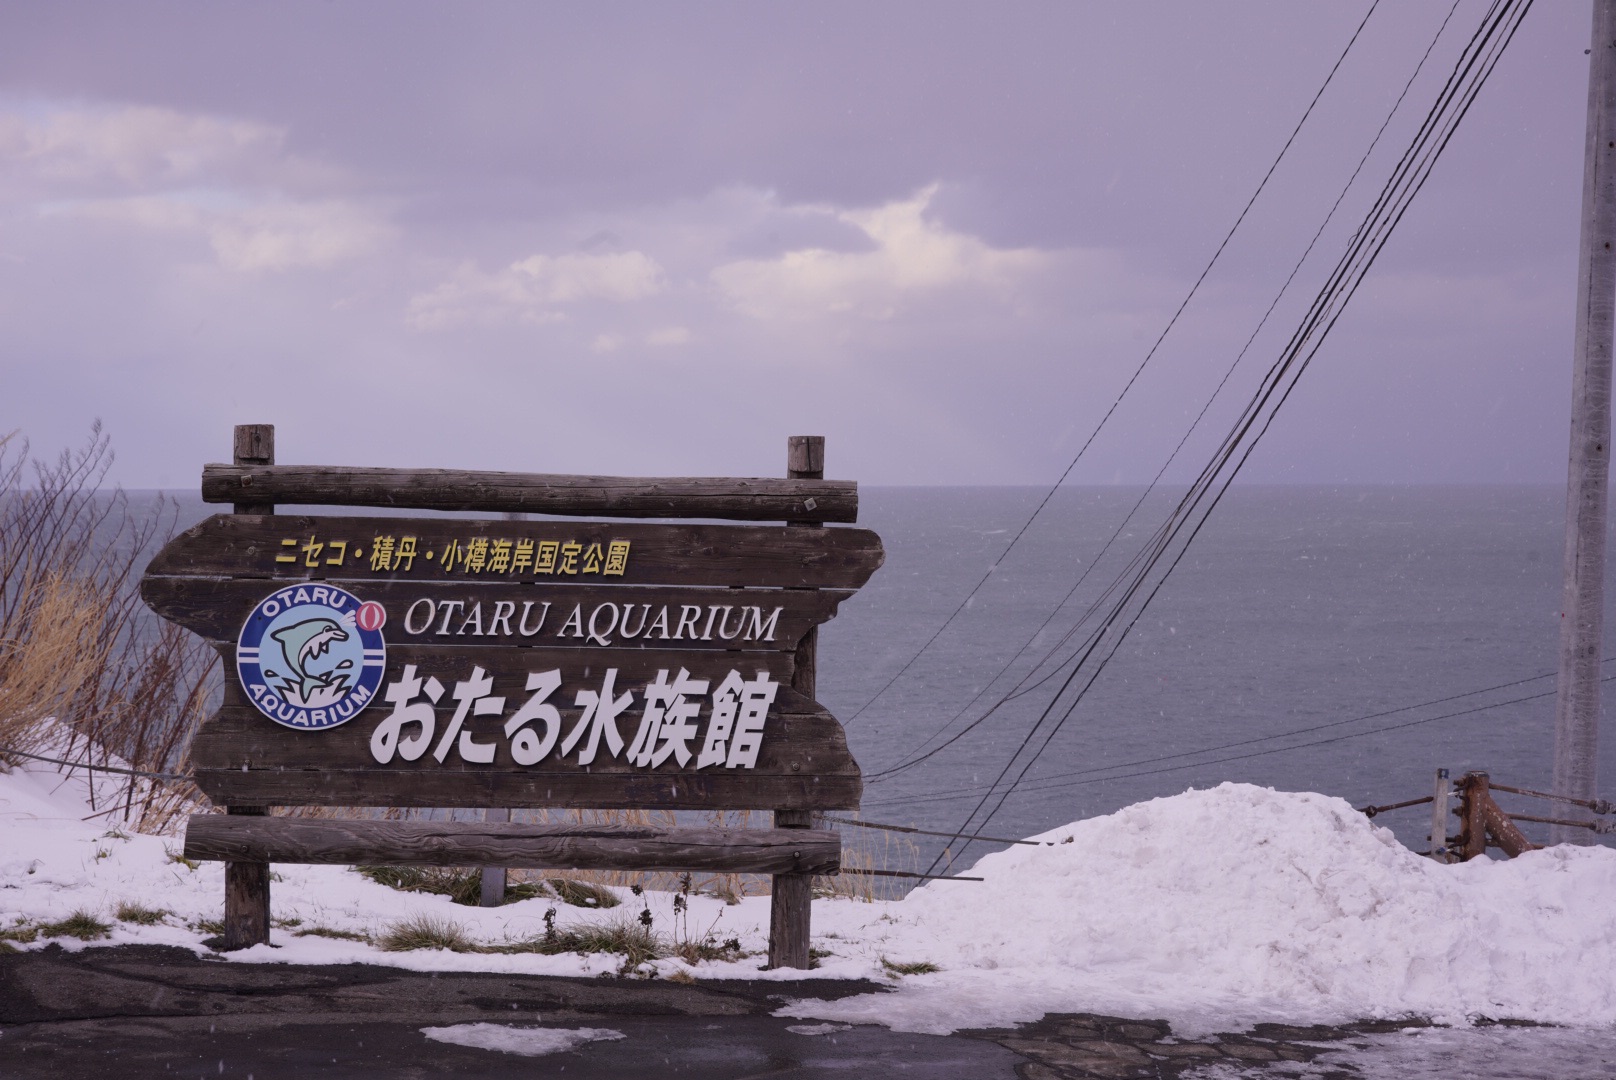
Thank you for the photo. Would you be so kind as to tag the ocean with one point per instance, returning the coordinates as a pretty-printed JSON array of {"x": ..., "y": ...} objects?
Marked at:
[{"x": 1335, "y": 609}]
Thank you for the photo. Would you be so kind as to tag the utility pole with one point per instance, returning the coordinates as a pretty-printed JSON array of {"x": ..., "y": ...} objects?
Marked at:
[{"x": 1582, "y": 608}]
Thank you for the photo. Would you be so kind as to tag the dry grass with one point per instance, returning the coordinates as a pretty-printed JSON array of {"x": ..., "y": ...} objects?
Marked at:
[
  {"x": 81, "y": 924},
  {"x": 86, "y": 672},
  {"x": 460, "y": 884},
  {"x": 919, "y": 967},
  {"x": 141, "y": 915},
  {"x": 864, "y": 850},
  {"x": 333, "y": 933},
  {"x": 583, "y": 893},
  {"x": 426, "y": 932}
]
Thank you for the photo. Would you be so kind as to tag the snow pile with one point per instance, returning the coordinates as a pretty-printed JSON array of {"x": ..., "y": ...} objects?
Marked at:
[
  {"x": 527, "y": 1041},
  {"x": 1247, "y": 904},
  {"x": 1212, "y": 909}
]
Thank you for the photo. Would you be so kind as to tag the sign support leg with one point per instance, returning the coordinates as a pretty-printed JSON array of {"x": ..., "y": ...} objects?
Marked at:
[
  {"x": 493, "y": 877},
  {"x": 791, "y": 898},
  {"x": 246, "y": 884}
]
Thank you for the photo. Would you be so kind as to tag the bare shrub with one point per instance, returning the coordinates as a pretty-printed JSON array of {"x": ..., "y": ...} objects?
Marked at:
[{"x": 87, "y": 674}]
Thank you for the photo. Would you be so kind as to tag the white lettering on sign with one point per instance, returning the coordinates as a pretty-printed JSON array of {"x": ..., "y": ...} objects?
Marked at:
[
  {"x": 272, "y": 704},
  {"x": 604, "y": 624},
  {"x": 669, "y": 724}
]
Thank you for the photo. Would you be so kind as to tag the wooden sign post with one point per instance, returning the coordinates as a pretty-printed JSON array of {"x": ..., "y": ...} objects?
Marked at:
[{"x": 497, "y": 663}]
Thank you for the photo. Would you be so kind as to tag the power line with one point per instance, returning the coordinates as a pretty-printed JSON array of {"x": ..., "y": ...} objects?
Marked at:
[
  {"x": 1059, "y": 781},
  {"x": 1475, "y": 65},
  {"x": 1131, "y": 379},
  {"x": 1023, "y": 687}
]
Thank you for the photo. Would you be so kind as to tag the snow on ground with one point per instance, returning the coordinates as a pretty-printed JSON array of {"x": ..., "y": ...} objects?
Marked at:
[
  {"x": 527, "y": 1041},
  {"x": 1213, "y": 909}
]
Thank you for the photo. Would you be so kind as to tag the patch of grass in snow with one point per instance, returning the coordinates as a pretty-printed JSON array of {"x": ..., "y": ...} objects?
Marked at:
[
  {"x": 463, "y": 886},
  {"x": 141, "y": 915},
  {"x": 333, "y": 932},
  {"x": 632, "y": 940},
  {"x": 176, "y": 857},
  {"x": 426, "y": 932},
  {"x": 460, "y": 885},
  {"x": 211, "y": 927},
  {"x": 709, "y": 948},
  {"x": 23, "y": 932},
  {"x": 921, "y": 967},
  {"x": 583, "y": 893},
  {"x": 81, "y": 924}
]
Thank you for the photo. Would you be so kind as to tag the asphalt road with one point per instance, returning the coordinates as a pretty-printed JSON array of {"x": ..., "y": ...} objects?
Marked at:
[
  {"x": 145, "y": 1011},
  {"x": 162, "y": 1012}
]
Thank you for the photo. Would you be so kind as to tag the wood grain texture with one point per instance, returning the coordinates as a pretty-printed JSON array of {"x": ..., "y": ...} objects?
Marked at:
[
  {"x": 731, "y": 498},
  {"x": 246, "y": 890},
  {"x": 540, "y": 847},
  {"x": 760, "y": 556},
  {"x": 216, "y": 608},
  {"x": 255, "y": 448},
  {"x": 791, "y": 895}
]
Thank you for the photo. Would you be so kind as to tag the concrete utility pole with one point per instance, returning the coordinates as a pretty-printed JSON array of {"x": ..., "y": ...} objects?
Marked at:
[{"x": 1582, "y": 609}]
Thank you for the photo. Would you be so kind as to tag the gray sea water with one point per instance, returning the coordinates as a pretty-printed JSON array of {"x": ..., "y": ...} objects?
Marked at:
[{"x": 1297, "y": 608}]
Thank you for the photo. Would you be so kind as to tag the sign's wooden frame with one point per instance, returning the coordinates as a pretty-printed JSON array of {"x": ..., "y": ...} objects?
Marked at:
[{"x": 786, "y": 580}]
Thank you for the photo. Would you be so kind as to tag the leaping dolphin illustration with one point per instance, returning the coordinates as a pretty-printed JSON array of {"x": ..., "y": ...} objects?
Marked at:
[{"x": 305, "y": 641}]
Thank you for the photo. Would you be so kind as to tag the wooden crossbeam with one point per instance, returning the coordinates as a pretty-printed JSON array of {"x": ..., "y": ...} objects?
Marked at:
[
  {"x": 240, "y": 839},
  {"x": 730, "y": 498}
]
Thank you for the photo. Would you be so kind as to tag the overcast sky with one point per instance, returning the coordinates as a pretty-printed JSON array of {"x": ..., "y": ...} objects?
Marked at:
[{"x": 657, "y": 239}]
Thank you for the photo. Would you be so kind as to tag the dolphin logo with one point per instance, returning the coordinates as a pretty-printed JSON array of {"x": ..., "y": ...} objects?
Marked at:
[{"x": 303, "y": 642}]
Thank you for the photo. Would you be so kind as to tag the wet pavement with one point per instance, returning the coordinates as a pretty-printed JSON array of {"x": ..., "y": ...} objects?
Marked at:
[{"x": 147, "y": 1011}]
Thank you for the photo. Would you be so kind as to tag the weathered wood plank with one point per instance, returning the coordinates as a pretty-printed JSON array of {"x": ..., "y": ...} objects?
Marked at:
[
  {"x": 246, "y": 889},
  {"x": 539, "y": 847},
  {"x": 735, "y": 498},
  {"x": 791, "y": 895},
  {"x": 791, "y": 901},
  {"x": 648, "y": 791},
  {"x": 255, "y": 448},
  {"x": 540, "y": 614},
  {"x": 283, "y": 547}
]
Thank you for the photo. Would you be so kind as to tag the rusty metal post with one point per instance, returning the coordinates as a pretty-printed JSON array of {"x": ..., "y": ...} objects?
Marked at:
[{"x": 1473, "y": 808}]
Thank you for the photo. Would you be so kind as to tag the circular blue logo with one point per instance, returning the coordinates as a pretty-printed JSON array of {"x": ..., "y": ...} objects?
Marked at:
[{"x": 311, "y": 656}]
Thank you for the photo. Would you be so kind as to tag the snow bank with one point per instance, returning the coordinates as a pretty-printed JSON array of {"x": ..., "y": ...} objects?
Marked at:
[
  {"x": 1243, "y": 904},
  {"x": 1213, "y": 909},
  {"x": 57, "y": 858}
]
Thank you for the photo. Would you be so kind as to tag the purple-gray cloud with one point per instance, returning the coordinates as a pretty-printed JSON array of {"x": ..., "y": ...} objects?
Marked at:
[{"x": 659, "y": 238}]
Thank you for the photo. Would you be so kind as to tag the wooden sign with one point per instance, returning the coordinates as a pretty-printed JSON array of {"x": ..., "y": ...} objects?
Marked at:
[{"x": 443, "y": 662}]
